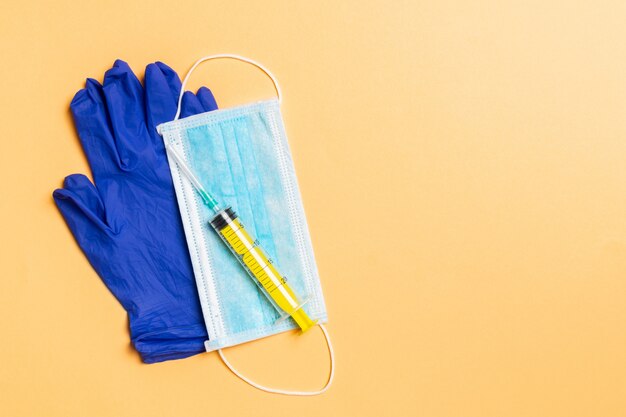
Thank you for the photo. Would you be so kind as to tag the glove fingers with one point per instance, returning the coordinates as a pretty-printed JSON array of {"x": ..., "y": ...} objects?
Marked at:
[
  {"x": 191, "y": 105},
  {"x": 81, "y": 206},
  {"x": 206, "y": 99},
  {"x": 125, "y": 103},
  {"x": 171, "y": 78},
  {"x": 94, "y": 130},
  {"x": 161, "y": 96}
]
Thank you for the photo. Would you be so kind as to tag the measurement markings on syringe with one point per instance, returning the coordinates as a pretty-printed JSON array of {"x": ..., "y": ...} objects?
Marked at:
[
  {"x": 257, "y": 268},
  {"x": 259, "y": 271},
  {"x": 259, "y": 260}
]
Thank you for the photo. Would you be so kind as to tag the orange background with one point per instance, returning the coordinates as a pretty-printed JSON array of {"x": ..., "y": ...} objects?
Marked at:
[{"x": 463, "y": 167}]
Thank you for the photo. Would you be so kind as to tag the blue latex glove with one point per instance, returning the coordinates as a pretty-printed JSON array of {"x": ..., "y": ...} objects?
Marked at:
[{"x": 128, "y": 224}]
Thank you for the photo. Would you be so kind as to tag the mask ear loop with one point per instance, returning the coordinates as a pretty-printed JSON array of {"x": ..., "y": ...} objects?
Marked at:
[
  {"x": 286, "y": 392},
  {"x": 229, "y": 56}
]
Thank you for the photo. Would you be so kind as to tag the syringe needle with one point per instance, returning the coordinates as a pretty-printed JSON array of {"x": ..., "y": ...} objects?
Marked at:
[{"x": 206, "y": 197}]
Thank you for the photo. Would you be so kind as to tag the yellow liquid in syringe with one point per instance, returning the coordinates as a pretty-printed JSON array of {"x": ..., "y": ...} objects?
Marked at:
[{"x": 259, "y": 267}]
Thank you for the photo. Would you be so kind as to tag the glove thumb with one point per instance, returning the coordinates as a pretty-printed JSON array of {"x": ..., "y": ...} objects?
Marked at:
[{"x": 81, "y": 206}]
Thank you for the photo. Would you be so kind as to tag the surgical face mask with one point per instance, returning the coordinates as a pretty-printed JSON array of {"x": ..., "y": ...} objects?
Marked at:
[{"x": 241, "y": 156}]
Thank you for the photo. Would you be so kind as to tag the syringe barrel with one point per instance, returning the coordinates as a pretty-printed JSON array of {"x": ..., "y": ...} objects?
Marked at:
[{"x": 259, "y": 266}]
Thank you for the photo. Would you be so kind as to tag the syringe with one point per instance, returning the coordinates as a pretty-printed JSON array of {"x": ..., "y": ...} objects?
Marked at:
[{"x": 249, "y": 254}]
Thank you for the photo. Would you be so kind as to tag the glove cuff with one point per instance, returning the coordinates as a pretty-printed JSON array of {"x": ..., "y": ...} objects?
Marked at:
[{"x": 171, "y": 343}]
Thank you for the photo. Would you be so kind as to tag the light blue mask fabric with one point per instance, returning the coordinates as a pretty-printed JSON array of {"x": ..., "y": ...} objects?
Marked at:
[{"x": 241, "y": 156}]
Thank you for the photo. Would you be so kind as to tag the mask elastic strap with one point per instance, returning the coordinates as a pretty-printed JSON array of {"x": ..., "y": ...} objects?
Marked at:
[
  {"x": 285, "y": 392},
  {"x": 230, "y": 56}
]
